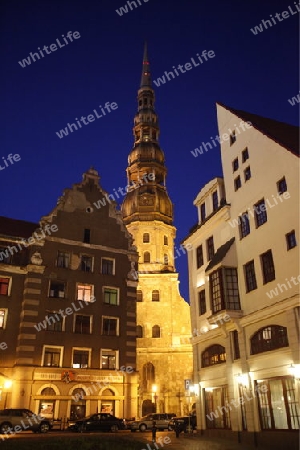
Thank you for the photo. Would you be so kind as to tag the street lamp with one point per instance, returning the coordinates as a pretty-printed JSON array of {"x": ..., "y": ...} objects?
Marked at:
[
  {"x": 154, "y": 390},
  {"x": 6, "y": 384}
]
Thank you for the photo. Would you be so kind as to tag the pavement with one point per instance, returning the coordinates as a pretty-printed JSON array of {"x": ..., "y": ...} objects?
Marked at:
[{"x": 194, "y": 442}]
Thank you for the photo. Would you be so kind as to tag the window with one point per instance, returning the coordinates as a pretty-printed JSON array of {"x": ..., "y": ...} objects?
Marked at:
[
  {"x": 110, "y": 326},
  {"x": 4, "y": 285},
  {"x": 165, "y": 240},
  {"x": 210, "y": 248},
  {"x": 5, "y": 258},
  {"x": 146, "y": 237},
  {"x": 269, "y": 338},
  {"x": 202, "y": 212},
  {"x": 2, "y": 318},
  {"x": 215, "y": 200},
  {"x": 247, "y": 173},
  {"x": 217, "y": 400},
  {"x": 244, "y": 225},
  {"x": 54, "y": 322},
  {"x": 107, "y": 266},
  {"x": 232, "y": 138},
  {"x": 139, "y": 331},
  {"x": 199, "y": 256},
  {"x": 282, "y": 186},
  {"x": 235, "y": 164},
  {"x": 237, "y": 183},
  {"x": 235, "y": 344},
  {"x": 245, "y": 155},
  {"x": 224, "y": 290},
  {"x": 155, "y": 296},
  {"x": 86, "y": 263},
  {"x": 146, "y": 257},
  {"x": 85, "y": 292},
  {"x": 111, "y": 296},
  {"x": 87, "y": 235},
  {"x": 63, "y": 260},
  {"x": 109, "y": 359},
  {"x": 202, "y": 302},
  {"x": 268, "y": 268},
  {"x": 57, "y": 289},
  {"x": 166, "y": 259},
  {"x": 82, "y": 324},
  {"x": 156, "y": 331},
  {"x": 291, "y": 240},
  {"x": 52, "y": 356},
  {"x": 139, "y": 296},
  {"x": 215, "y": 354},
  {"x": 260, "y": 213},
  {"x": 80, "y": 359},
  {"x": 250, "y": 277}
]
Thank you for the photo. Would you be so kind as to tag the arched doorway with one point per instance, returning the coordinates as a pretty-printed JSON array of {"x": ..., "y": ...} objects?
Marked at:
[
  {"x": 47, "y": 406},
  {"x": 108, "y": 406},
  {"x": 147, "y": 407},
  {"x": 78, "y": 406}
]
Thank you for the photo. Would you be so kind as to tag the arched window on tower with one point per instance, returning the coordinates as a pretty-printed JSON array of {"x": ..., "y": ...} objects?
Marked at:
[
  {"x": 146, "y": 257},
  {"x": 139, "y": 331},
  {"x": 156, "y": 331},
  {"x": 155, "y": 295},
  {"x": 146, "y": 237}
]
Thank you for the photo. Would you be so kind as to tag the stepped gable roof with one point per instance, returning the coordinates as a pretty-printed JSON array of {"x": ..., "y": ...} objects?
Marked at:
[{"x": 284, "y": 134}]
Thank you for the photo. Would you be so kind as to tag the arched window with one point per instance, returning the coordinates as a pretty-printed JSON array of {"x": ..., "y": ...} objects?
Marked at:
[
  {"x": 139, "y": 296},
  {"x": 78, "y": 404},
  {"x": 165, "y": 240},
  {"x": 48, "y": 391},
  {"x": 269, "y": 338},
  {"x": 47, "y": 406},
  {"x": 156, "y": 331},
  {"x": 146, "y": 237},
  {"x": 148, "y": 376},
  {"x": 146, "y": 257},
  {"x": 215, "y": 354},
  {"x": 155, "y": 296},
  {"x": 139, "y": 331},
  {"x": 166, "y": 259}
]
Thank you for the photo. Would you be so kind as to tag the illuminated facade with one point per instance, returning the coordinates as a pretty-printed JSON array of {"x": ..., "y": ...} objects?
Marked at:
[
  {"x": 164, "y": 353},
  {"x": 244, "y": 285}
]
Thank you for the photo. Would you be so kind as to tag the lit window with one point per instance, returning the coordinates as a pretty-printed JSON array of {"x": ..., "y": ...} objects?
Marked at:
[
  {"x": 282, "y": 186},
  {"x": 80, "y": 359},
  {"x": 291, "y": 240},
  {"x": 57, "y": 289},
  {"x": 109, "y": 359},
  {"x": 260, "y": 213},
  {"x": 86, "y": 263},
  {"x": 235, "y": 164},
  {"x": 237, "y": 183},
  {"x": 250, "y": 277},
  {"x": 107, "y": 266},
  {"x": 110, "y": 326},
  {"x": 4, "y": 285},
  {"x": 215, "y": 354},
  {"x": 111, "y": 296},
  {"x": 269, "y": 338},
  {"x": 82, "y": 324},
  {"x": 84, "y": 292},
  {"x": 2, "y": 318},
  {"x": 245, "y": 155},
  {"x": 268, "y": 268}
]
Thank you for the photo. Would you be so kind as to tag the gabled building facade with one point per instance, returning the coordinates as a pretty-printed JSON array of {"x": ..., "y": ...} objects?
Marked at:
[
  {"x": 244, "y": 284},
  {"x": 68, "y": 309},
  {"x": 164, "y": 352}
]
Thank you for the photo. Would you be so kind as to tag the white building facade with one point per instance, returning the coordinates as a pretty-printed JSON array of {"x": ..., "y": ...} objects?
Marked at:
[{"x": 244, "y": 285}]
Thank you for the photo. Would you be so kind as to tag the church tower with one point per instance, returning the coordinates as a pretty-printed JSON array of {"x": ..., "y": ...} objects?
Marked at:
[{"x": 164, "y": 352}]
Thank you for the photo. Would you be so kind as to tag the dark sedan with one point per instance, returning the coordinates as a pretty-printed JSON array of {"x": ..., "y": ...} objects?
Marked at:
[{"x": 98, "y": 422}]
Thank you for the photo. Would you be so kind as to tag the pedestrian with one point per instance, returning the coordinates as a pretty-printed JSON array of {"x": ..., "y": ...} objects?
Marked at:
[
  {"x": 154, "y": 429},
  {"x": 177, "y": 429}
]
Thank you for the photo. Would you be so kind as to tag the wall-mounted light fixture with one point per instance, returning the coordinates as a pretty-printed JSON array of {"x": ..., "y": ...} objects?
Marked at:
[{"x": 295, "y": 371}]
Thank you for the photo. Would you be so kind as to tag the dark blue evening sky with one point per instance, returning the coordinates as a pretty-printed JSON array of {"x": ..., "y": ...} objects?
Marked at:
[{"x": 255, "y": 73}]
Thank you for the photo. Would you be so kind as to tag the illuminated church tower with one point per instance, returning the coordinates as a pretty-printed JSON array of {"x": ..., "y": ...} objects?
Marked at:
[{"x": 164, "y": 353}]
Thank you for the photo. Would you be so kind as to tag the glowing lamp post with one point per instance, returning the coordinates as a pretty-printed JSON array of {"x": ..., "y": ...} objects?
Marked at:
[{"x": 154, "y": 390}]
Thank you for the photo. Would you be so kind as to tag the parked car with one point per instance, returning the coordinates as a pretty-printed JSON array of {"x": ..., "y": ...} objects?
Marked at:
[
  {"x": 145, "y": 423},
  {"x": 98, "y": 422},
  {"x": 184, "y": 423},
  {"x": 15, "y": 420}
]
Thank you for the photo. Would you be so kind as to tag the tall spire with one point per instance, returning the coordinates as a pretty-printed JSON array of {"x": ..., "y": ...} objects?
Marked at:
[{"x": 146, "y": 74}]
